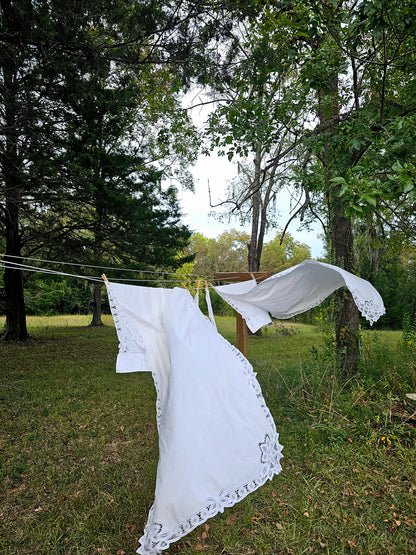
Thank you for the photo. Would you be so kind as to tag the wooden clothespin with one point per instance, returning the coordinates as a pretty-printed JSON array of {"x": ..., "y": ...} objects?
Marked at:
[
  {"x": 206, "y": 285},
  {"x": 105, "y": 278},
  {"x": 184, "y": 286},
  {"x": 252, "y": 277}
]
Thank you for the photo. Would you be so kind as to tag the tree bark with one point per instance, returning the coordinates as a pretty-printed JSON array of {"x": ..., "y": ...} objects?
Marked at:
[
  {"x": 341, "y": 234},
  {"x": 16, "y": 328},
  {"x": 347, "y": 317},
  {"x": 254, "y": 253},
  {"x": 96, "y": 305}
]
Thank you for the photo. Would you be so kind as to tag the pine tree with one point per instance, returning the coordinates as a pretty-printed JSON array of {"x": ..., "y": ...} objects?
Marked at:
[{"x": 52, "y": 55}]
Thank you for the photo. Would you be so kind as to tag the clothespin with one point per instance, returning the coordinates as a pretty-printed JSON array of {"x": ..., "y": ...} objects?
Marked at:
[
  {"x": 184, "y": 286},
  {"x": 198, "y": 283},
  {"x": 105, "y": 278},
  {"x": 206, "y": 285},
  {"x": 252, "y": 277}
]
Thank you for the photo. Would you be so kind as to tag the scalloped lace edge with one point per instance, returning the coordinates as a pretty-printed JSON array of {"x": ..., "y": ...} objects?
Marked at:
[
  {"x": 121, "y": 321},
  {"x": 155, "y": 539},
  {"x": 369, "y": 309}
]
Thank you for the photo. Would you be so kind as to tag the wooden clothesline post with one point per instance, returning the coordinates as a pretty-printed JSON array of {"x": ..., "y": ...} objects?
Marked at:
[{"x": 241, "y": 327}]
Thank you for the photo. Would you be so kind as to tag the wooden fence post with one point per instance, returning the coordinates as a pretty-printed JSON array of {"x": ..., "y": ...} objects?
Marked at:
[{"x": 241, "y": 326}]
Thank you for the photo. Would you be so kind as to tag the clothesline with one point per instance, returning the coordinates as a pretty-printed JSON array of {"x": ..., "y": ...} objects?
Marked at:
[
  {"x": 114, "y": 268},
  {"x": 29, "y": 268},
  {"x": 26, "y": 268}
]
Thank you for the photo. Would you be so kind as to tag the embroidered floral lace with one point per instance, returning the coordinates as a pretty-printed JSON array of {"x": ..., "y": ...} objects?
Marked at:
[
  {"x": 297, "y": 290},
  {"x": 217, "y": 438}
]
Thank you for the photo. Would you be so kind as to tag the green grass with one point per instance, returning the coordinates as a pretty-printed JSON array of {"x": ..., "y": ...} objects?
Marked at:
[{"x": 78, "y": 448}]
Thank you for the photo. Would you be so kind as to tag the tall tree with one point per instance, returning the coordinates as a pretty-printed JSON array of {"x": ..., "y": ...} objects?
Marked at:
[
  {"x": 349, "y": 76},
  {"x": 48, "y": 49},
  {"x": 354, "y": 63},
  {"x": 252, "y": 122},
  {"x": 116, "y": 164}
]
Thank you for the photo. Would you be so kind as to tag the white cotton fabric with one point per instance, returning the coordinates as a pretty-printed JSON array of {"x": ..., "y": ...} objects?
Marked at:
[
  {"x": 297, "y": 290},
  {"x": 217, "y": 438},
  {"x": 209, "y": 305}
]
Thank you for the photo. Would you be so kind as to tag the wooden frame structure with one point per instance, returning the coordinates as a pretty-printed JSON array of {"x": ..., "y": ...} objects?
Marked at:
[{"x": 241, "y": 326}]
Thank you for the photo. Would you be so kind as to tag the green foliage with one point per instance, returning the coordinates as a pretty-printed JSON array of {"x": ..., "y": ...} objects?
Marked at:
[
  {"x": 226, "y": 253},
  {"x": 50, "y": 295},
  {"x": 384, "y": 181},
  {"x": 356, "y": 125},
  {"x": 394, "y": 276},
  {"x": 279, "y": 256},
  {"x": 409, "y": 329},
  {"x": 365, "y": 406},
  {"x": 56, "y": 298},
  {"x": 122, "y": 142}
]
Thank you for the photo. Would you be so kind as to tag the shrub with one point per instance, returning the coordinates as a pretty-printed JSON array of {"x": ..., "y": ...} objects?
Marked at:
[{"x": 47, "y": 296}]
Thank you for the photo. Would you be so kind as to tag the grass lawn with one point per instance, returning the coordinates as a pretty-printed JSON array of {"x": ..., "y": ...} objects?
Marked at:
[{"x": 79, "y": 447}]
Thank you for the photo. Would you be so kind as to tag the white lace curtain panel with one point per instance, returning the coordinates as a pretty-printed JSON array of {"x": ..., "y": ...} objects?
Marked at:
[
  {"x": 217, "y": 439},
  {"x": 297, "y": 290}
]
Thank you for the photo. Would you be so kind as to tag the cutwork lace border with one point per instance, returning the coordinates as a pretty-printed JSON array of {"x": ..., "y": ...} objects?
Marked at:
[
  {"x": 155, "y": 539},
  {"x": 369, "y": 308},
  {"x": 121, "y": 322}
]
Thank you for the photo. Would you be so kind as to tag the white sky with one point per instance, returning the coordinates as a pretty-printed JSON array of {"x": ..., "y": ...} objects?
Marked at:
[{"x": 218, "y": 171}]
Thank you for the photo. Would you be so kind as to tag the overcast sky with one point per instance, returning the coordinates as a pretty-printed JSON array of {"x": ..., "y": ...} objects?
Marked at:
[{"x": 218, "y": 171}]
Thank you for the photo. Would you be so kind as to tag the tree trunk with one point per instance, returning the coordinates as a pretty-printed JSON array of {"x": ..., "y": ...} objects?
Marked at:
[
  {"x": 341, "y": 233},
  {"x": 347, "y": 316},
  {"x": 253, "y": 247},
  {"x": 96, "y": 305},
  {"x": 13, "y": 282},
  {"x": 16, "y": 329}
]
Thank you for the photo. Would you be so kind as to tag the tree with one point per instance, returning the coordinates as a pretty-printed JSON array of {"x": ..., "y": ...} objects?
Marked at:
[
  {"x": 24, "y": 120},
  {"x": 354, "y": 62},
  {"x": 349, "y": 72},
  {"x": 282, "y": 253},
  {"x": 115, "y": 165},
  {"x": 252, "y": 123},
  {"x": 48, "y": 50},
  {"x": 226, "y": 253}
]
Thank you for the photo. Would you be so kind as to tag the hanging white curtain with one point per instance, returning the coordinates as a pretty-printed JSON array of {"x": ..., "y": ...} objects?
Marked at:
[
  {"x": 217, "y": 438},
  {"x": 297, "y": 290}
]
